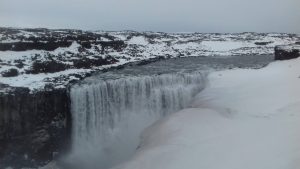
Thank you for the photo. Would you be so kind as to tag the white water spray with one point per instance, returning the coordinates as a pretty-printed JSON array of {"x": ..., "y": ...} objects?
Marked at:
[{"x": 109, "y": 116}]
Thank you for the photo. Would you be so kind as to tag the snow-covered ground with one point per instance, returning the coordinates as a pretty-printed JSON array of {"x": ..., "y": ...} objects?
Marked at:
[
  {"x": 138, "y": 46},
  {"x": 289, "y": 48},
  {"x": 244, "y": 119}
]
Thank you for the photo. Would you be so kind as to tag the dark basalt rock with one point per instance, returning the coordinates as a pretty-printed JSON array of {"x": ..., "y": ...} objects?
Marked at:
[
  {"x": 116, "y": 45},
  {"x": 50, "y": 66},
  {"x": 87, "y": 63},
  {"x": 86, "y": 44},
  {"x": 262, "y": 43},
  {"x": 19, "y": 63},
  {"x": 10, "y": 73},
  {"x": 286, "y": 52},
  {"x": 33, "y": 126},
  {"x": 23, "y": 46}
]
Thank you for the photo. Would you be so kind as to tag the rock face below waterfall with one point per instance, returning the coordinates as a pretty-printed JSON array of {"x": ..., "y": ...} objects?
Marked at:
[{"x": 33, "y": 126}]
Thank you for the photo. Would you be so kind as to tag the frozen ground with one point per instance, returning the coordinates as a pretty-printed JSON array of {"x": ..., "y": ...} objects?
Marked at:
[
  {"x": 91, "y": 51},
  {"x": 244, "y": 119}
]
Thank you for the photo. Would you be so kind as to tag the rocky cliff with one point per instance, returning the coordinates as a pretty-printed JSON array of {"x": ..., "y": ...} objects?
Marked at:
[
  {"x": 285, "y": 52},
  {"x": 34, "y": 127}
]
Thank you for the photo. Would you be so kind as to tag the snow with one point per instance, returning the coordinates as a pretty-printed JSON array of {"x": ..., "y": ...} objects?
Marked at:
[
  {"x": 139, "y": 40},
  {"x": 188, "y": 45},
  {"x": 289, "y": 48},
  {"x": 73, "y": 48},
  {"x": 13, "y": 55},
  {"x": 244, "y": 118},
  {"x": 225, "y": 45},
  {"x": 38, "y": 81}
]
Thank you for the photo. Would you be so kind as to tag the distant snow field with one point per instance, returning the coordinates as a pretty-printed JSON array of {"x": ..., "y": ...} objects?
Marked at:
[{"x": 244, "y": 119}]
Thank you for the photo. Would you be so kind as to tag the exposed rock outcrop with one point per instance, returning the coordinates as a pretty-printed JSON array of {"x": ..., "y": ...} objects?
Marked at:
[
  {"x": 285, "y": 52},
  {"x": 262, "y": 43},
  {"x": 10, "y": 73},
  {"x": 23, "y": 46}
]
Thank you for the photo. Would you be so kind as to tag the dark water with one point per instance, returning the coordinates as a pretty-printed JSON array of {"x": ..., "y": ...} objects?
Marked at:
[{"x": 187, "y": 65}]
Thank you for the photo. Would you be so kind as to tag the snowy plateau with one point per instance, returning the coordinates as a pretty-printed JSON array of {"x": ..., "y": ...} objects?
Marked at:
[
  {"x": 73, "y": 99},
  {"x": 39, "y": 58}
]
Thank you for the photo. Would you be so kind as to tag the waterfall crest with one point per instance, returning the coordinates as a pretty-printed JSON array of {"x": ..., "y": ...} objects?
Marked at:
[{"x": 109, "y": 115}]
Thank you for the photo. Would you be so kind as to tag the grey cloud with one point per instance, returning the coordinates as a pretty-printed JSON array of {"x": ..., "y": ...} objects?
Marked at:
[{"x": 155, "y": 15}]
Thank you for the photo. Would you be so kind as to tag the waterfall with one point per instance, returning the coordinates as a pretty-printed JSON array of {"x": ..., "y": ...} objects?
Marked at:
[{"x": 109, "y": 115}]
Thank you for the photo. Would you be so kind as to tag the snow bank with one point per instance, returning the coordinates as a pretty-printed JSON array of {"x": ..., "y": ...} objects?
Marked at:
[
  {"x": 38, "y": 81},
  {"x": 288, "y": 48},
  {"x": 138, "y": 40},
  {"x": 244, "y": 119},
  {"x": 223, "y": 46}
]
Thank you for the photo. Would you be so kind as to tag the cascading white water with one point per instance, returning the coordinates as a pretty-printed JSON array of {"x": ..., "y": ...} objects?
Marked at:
[{"x": 109, "y": 115}]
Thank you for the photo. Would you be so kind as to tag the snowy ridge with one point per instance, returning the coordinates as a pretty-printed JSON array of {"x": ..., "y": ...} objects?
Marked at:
[
  {"x": 289, "y": 48},
  {"x": 74, "y": 53}
]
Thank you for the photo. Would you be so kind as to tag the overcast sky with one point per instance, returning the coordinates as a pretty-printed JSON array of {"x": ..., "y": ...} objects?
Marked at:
[{"x": 155, "y": 15}]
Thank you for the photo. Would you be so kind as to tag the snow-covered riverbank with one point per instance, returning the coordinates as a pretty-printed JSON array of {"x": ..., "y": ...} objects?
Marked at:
[{"x": 244, "y": 119}]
